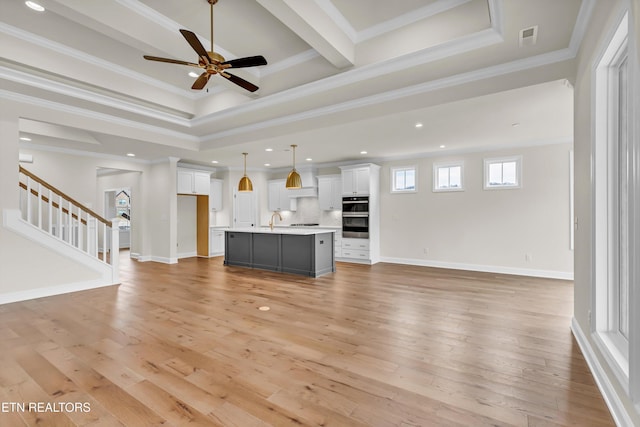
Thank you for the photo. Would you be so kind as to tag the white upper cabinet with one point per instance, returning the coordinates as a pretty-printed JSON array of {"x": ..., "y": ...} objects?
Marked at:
[
  {"x": 279, "y": 197},
  {"x": 330, "y": 192},
  {"x": 193, "y": 182},
  {"x": 355, "y": 181},
  {"x": 215, "y": 195}
]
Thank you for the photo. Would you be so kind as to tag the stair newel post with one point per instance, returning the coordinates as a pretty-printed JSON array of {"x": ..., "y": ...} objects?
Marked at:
[
  {"x": 94, "y": 224},
  {"x": 115, "y": 249},
  {"x": 104, "y": 243}
]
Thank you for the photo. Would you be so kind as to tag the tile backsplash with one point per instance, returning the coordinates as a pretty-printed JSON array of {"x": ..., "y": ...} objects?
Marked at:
[{"x": 308, "y": 212}]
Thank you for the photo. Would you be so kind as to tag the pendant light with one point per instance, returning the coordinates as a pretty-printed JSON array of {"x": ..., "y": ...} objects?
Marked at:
[
  {"x": 293, "y": 179},
  {"x": 245, "y": 183}
]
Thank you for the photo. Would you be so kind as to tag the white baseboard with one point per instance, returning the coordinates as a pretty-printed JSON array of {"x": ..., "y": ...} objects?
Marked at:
[
  {"x": 187, "y": 255},
  {"x": 619, "y": 413},
  {"x": 563, "y": 275},
  {"x": 52, "y": 290},
  {"x": 163, "y": 260}
]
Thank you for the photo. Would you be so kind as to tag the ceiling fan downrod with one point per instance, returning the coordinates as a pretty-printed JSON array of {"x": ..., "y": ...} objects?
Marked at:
[{"x": 212, "y": 54}]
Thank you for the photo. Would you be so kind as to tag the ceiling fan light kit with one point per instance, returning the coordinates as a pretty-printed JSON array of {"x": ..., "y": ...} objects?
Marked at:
[{"x": 212, "y": 62}]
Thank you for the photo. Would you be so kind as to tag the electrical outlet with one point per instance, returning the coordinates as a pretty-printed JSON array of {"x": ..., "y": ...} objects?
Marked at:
[
  {"x": 425, "y": 251},
  {"x": 527, "y": 257},
  {"x": 589, "y": 316}
]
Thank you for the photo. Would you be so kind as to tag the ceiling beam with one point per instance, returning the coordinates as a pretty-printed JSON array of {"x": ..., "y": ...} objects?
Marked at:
[{"x": 312, "y": 24}]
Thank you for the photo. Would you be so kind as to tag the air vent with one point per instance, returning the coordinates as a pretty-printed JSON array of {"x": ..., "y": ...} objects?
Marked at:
[{"x": 528, "y": 36}]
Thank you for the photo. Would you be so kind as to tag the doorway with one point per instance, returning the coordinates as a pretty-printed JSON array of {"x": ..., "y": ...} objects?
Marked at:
[{"x": 117, "y": 204}]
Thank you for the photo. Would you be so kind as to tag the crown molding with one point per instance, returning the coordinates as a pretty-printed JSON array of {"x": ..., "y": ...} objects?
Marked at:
[
  {"x": 408, "y": 18},
  {"x": 289, "y": 62},
  {"x": 187, "y": 139},
  {"x": 81, "y": 153},
  {"x": 119, "y": 103},
  {"x": 581, "y": 25},
  {"x": 89, "y": 59},
  {"x": 461, "y": 45},
  {"x": 422, "y": 88}
]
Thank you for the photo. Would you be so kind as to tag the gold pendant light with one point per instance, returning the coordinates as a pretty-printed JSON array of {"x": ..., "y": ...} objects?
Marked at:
[
  {"x": 293, "y": 179},
  {"x": 245, "y": 183}
]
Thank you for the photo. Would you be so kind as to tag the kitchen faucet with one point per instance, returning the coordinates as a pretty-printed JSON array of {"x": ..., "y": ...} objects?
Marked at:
[{"x": 271, "y": 221}]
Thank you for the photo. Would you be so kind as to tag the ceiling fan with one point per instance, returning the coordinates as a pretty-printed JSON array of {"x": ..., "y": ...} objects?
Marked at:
[{"x": 212, "y": 62}]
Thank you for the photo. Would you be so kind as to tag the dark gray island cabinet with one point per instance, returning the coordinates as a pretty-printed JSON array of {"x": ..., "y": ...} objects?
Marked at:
[{"x": 305, "y": 252}]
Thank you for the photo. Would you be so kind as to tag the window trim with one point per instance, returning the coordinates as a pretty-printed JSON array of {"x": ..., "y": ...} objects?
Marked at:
[
  {"x": 489, "y": 161},
  {"x": 392, "y": 174},
  {"x": 436, "y": 175},
  {"x": 606, "y": 207}
]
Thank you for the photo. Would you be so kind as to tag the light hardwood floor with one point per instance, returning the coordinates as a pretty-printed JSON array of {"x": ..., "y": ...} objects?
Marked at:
[{"x": 382, "y": 345}]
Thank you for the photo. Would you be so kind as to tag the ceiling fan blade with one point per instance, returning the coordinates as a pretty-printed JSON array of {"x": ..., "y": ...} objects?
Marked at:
[
  {"x": 201, "y": 81},
  {"x": 240, "y": 82},
  {"x": 170, "y": 61},
  {"x": 249, "y": 61},
  {"x": 192, "y": 39}
]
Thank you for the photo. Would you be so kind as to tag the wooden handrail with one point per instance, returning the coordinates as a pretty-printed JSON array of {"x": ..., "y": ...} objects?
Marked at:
[
  {"x": 61, "y": 194},
  {"x": 55, "y": 205}
]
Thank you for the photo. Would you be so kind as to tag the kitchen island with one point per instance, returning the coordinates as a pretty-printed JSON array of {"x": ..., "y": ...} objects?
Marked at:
[{"x": 298, "y": 251}]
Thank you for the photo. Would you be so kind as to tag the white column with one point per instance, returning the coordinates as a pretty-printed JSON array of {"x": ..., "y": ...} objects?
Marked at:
[{"x": 115, "y": 250}]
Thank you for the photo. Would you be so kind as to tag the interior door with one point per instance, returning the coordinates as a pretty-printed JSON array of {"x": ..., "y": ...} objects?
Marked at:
[{"x": 244, "y": 208}]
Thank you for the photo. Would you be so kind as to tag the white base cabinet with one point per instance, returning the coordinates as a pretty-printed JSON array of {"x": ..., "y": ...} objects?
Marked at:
[{"x": 216, "y": 241}]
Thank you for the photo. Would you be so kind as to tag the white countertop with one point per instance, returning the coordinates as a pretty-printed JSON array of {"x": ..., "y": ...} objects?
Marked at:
[{"x": 283, "y": 230}]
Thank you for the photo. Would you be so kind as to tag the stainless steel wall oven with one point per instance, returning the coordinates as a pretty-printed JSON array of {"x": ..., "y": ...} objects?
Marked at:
[{"x": 355, "y": 217}]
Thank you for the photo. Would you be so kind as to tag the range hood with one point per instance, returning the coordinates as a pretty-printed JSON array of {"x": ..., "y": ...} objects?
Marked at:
[{"x": 309, "y": 182}]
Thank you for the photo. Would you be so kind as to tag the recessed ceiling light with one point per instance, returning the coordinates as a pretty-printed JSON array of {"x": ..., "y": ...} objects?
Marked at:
[
  {"x": 214, "y": 161},
  {"x": 268, "y": 149},
  {"x": 442, "y": 146},
  {"x": 418, "y": 125},
  {"x": 24, "y": 138},
  {"x": 308, "y": 159},
  {"x": 363, "y": 152},
  {"x": 130, "y": 155},
  {"x": 267, "y": 164},
  {"x": 35, "y": 6},
  {"x": 193, "y": 74}
]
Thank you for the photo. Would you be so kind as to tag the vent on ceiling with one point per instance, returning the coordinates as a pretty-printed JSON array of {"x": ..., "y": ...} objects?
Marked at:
[{"x": 528, "y": 36}]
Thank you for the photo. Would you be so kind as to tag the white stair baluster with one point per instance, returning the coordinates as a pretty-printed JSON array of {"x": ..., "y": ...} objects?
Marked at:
[
  {"x": 69, "y": 223},
  {"x": 29, "y": 200},
  {"x": 60, "y": 218},
  {"x": 80, "y": 233},
  {"x": 39, "y": 197},
  {"x": 50, "y": 213}
]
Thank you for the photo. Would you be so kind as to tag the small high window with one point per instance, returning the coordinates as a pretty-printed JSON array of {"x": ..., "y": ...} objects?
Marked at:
[
  {"x": 504, "y": 172},
  {"x": 448, "y": 176},
  {"x": 404, "y": 179}
]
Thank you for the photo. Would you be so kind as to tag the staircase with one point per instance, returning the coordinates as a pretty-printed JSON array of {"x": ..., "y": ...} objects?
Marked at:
[{"x": 57, "y": 221}]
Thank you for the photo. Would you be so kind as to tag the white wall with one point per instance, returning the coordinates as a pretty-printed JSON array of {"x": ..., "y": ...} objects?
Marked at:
[
  {"x": 29, "y": 270},
  {"x": 486, "y": 230},
  {"x": 603, "y": 21}
]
